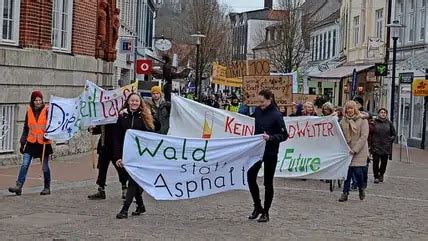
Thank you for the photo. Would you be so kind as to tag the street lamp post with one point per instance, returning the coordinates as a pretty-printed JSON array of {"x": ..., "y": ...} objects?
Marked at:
[
  {"x": 198, "y": 37},
  {"x": 395, "y": 28}
]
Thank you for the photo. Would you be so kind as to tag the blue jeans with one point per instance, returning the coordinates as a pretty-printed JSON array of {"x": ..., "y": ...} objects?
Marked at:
[
  {"x": 365, "y": 177},
  {"x": 358, "y": 172},
  {"x": 26, "y": 164}
]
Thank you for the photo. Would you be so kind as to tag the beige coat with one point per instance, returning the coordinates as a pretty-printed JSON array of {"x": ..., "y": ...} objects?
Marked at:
[{"x": 357, "y": 139}]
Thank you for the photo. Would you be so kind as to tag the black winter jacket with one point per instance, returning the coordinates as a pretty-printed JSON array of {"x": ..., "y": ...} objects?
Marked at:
[
  {"x": 382, "y": 137},
  {"x": 130, "y": 120},
  {"x": 106, "y": 141},
  {"x": 161, "y": 115},
  {"x": 271, "y": 121}
]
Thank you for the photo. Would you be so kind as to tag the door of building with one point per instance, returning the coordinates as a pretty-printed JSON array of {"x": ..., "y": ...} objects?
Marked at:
[{"x": 404, "y": 111}]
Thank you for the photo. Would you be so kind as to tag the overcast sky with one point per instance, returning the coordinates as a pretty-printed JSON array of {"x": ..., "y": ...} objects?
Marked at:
[{"x": 244, "y": 5}]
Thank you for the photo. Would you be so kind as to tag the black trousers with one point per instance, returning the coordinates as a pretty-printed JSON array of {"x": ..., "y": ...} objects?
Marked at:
[
  {"x": 379, "y": 171},
  {"x": 104, "y": 160},
  {"x": 134, "y": 190},
  {"x": 269, "y": 161}
]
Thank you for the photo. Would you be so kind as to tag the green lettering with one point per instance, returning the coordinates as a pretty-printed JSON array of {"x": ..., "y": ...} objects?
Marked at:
[
  {"x": 204, "y": 152},
  {"x": 174, "y": 152},
  {"x": 141, "y": 152},
  {"x": 315, "y": 164},
  {"x": 290, "y": 166}
]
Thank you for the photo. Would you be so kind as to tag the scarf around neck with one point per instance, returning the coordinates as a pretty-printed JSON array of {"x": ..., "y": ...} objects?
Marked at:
[{"x": 350, "y": 127}]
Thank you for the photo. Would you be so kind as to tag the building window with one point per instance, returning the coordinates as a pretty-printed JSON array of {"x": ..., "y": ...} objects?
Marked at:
[
  {"x": 9, "y": 20},
  {"x": 320, "y": 48},
  {"x": 411, "y": 6},
  {"x": 410, "y": 27},
  {"x": 422, "y": 25},
  {"x": 417, "y": 120},
  {"x": 62, "y": 12},
  {"x": 379, "y": 23},
  {"x": 312, "y": 90},
  {"x": 329, "y": 45},
  {"x": 313, "y": 48},
  {"x": 316, "y": 47},
  {"x": 272, "y": 35},
  {"x": 334, "y": 44},
  {"x": 356, "y": 30},
  {"x": 324, "y": 56}
]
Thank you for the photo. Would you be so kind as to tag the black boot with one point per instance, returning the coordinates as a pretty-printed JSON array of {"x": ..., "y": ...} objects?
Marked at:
[
  {"x": 264, "y": 218},
  {"x": 381, "y": 178},
  {"x": 344, "y": 197},
  {"x": 17, "y": 189},
  {"x": 362, "y": 193},
  {"x": 122, "y": 215},
  {"x": 256, "y": 212},
  {"x": 101, "y": 194},
  {"x": 45, "y": 191},
  {"x": 140, "y": 209}
]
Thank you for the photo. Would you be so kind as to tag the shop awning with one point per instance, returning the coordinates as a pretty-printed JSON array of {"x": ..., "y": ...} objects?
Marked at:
[{"x": 340, "y": 72}]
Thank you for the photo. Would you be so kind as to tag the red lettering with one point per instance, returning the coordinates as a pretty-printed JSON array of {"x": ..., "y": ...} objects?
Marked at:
[
  {"x": 236, "y": 128},
  {"x": 301, "y": 132},
  {"x": 330, "y": 128},
  {"x": 228, "y": 123},
  {"x": 249, "y": 129}
]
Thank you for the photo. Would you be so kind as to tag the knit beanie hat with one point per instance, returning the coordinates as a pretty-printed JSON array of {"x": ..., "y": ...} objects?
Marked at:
[
  {"x": 36, "y": 94},
  {"x": 156, "y": 89}
]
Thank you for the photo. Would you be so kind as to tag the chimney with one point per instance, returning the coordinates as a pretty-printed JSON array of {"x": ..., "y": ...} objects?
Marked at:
[{"x": 269, "y": 4}]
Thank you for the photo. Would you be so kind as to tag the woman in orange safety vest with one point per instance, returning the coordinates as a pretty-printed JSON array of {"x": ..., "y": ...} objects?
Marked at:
[{"x": 32, "y": 142}]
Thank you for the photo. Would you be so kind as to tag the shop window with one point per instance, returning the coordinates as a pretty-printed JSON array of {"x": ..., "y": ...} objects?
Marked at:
[
  {"x": 417, "y": 117},
  {"x": 312, "y": 90}
]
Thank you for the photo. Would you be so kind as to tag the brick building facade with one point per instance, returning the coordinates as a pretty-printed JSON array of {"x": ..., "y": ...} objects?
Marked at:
[{"x": 49, "y": 45}]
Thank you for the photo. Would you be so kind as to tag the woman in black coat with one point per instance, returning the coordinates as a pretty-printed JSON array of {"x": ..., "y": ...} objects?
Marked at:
[
  {"x": 269, "y": 122},
  {"x": 382, "y": 137},
  {"x": 137, "y": 116}
]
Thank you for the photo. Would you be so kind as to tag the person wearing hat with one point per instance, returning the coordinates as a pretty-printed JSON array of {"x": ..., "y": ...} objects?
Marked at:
[
  {"x": 160, "y": 110},
  {"x": 234, "y": 104},
  {"x": 33, "y": 143}
]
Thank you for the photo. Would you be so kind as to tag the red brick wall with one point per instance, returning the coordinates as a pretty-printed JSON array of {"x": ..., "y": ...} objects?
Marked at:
[
  {"x": 84, "y": 27},
  {"x": 36, "y": 23}
]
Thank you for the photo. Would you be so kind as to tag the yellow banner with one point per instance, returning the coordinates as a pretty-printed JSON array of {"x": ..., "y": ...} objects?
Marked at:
[
  {"x": 219, "y": 77},
  {"x": 420, "y": 87}
]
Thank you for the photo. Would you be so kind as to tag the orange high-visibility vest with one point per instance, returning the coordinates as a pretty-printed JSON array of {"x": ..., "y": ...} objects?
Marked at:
[{"x": 37, "y": 128}]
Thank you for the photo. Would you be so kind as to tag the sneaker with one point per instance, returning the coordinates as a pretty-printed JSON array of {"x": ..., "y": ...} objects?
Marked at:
[
  {"x": 139, "y": 210},
  {"x": 344, "y": 197},
  {"x": 362, "y": 194},
  {"x": 376, "y": 180},
  {"x": 381, "y": 179},
  {"x": 45, "y": 191},
  {"x": 122, "y": 215},
  {"x": 101, "y": 194}
]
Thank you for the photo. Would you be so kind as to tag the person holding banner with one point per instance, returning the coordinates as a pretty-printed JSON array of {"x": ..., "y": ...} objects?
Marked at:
[
  {"x": 160, "y": 109},
  {"x": 138, "y": 117},
  {"x": 356, "y": 131},
  {"x": 105, "y": 156},
  {"x": 34, "y": 144},
  {"x": 269, "y": 122}
]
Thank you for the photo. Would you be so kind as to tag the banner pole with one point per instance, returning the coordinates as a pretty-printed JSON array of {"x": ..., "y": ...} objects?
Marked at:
[{"x": 43, "y": 156}]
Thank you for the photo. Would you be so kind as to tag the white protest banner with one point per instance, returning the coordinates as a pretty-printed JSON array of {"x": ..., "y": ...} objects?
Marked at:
[
  {"x": 171, "y": 168},
  {"x": 316, "y": 148},
  {"x": 99, "y": 106},
  {"x": 63, "y": 118}
]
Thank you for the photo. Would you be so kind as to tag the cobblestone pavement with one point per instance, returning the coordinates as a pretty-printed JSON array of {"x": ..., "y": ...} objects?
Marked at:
[{"x": 302, "y": 210}]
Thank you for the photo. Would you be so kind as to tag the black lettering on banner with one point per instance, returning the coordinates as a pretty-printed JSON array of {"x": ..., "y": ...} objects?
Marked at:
[
  {"x": 231, "y": 176},
  {"x": 195, "y": 186},
  {"x": 163, "y": 185},
  {"x": 204, "y": 151},
  {"x": 174, "y": 153},
  {"x": 184, "y": 168},
  {"x": 222, "y": 182},
  {"x": 178, "y": 189},
  {"x": 202, "y": 182},
  {"x": 141, "y": 152}
]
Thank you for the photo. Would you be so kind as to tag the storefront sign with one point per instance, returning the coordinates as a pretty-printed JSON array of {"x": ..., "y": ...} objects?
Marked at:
[
  {"x": 406, "y": 78},
  {"x": 420, "y": 87}
]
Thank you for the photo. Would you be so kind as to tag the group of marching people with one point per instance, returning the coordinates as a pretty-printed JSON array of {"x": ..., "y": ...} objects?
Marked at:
[
  {"x": 362, "y": 135},
  {"x": 151, "y": 115}
]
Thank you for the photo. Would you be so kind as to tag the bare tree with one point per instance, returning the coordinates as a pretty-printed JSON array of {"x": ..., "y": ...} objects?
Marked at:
[{"x": 285, "y": 43}]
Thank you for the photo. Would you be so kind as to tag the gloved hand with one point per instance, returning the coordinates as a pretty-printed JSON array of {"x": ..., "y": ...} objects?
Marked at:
[{"x": 21, "y": 149}]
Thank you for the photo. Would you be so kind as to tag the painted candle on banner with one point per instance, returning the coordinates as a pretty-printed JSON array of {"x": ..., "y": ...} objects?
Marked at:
[
  {"x": 316, "y": 148},
  {"x": 182, "y": 168},
  {"x": 281, "y": 86}
]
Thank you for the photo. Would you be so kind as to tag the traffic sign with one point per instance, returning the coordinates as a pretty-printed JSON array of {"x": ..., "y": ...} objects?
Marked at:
[{"x": 144, "y": 66}]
